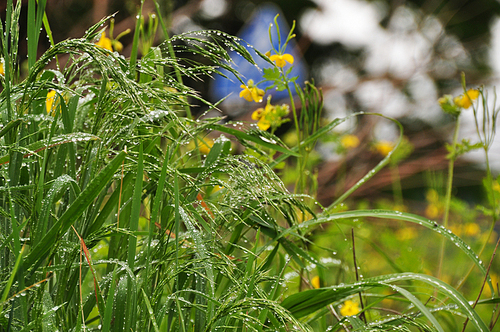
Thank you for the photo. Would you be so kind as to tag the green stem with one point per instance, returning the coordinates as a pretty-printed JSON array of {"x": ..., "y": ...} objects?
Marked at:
[
  {"x": 297, "y": 128},
  {"x": 449, "y": 185},
  {"x": 371, "y": 173},
  {"x": 172, "y": 55}
]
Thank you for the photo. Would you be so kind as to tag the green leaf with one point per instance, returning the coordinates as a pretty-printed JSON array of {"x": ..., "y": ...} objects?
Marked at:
[
  {"x": 150, "y": 311},
  {"x": 271, "y": 74}
]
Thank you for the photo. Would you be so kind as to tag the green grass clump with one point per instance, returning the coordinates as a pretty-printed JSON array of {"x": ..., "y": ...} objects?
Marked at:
[{"x": 119, "y": 213}]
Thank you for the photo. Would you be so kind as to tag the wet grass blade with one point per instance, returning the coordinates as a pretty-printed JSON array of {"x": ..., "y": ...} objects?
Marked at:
[
  {"x": 150, "y": 311},
  {"x": 86, "y": 197},
  {"x": 258, "y": 140},
  {"x": 307, "y": 302},
  {"x": 395, "y": 215},
  {"x": 13, "y": 274},
  {"x": 108, "y": 310}
]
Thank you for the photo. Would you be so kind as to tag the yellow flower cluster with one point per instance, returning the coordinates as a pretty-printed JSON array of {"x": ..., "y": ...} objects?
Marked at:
[
  {"x": 495, "y": 280},
  {"x": 455, "y": 105},
  {"x": 468, "y": 229},
  {"x": 406, "y": 233},
  {"x": 465, "y": 100},
  {"x": 251, "y": 92},
  {"x": 271, "y": 115}
]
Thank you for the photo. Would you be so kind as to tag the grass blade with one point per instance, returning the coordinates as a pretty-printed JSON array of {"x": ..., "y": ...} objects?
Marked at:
[
  {"x": 150, "y": 311},
  {"x": 86, "y": 197}
]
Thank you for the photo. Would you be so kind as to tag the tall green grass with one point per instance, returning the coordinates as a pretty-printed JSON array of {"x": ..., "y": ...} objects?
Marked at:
[{"x": 110, "y": 220}]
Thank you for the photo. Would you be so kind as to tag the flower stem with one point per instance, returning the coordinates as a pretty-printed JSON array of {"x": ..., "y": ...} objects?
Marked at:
[
  {"x": 449, "y": 184},
  {"x": 297, "y": 130}
]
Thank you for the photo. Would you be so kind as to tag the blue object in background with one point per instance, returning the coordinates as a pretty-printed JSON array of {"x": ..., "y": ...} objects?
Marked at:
[{"x": 256, "y": 33}]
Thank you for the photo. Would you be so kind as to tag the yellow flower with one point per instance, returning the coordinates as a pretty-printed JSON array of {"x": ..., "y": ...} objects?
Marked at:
[
  {"x": 432, "y": 196},
  {"x": 315, "y": 282},
  {"x": 350, "y": 308},
  {"x": 302, "y": 215},
  {"x": 432, "y": 211},
  {"x": 251, "y": 93},
  {"x": 496, "y": 186},
  {"x": 2, "y": 72},
  {"x": 406, "y": 233},
  {"x": 349, "y": 141},
  {"x": 49, "y": 102},
  {"x": 282, "y": 59},
  {"x": 471, "y": 229},
  {"x": 205, "y": 145},
  {"x": 400, "y": 208},
  {"x": 216, "y": 188},
  {"x": 456, "y": 229},
  {"x": 443, "y": 100},
  {"x": 494, "y": 281},
  {"x": 105, "y": 42},
  {"x": 384, "y": 147},
  {"x": 465, "y": 100},
  {"x": 260, "y": 115}
]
